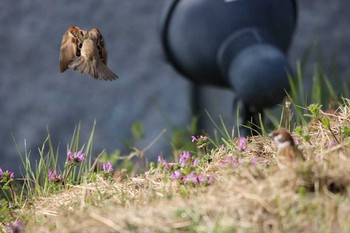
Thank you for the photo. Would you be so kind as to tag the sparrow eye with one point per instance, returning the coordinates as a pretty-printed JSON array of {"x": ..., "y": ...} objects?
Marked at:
[
  {"x": 80, "y": 45},
  {"x": 81, "y": 33}
]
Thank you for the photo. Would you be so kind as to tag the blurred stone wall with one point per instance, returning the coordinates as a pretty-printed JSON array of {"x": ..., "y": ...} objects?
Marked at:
[{"x": 34, "y": 96}]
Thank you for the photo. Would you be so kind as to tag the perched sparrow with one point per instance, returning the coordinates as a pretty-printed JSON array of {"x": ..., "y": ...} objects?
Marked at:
[
  {"x": 85, "y": 52},
  {"x": 288, "y": 154}
]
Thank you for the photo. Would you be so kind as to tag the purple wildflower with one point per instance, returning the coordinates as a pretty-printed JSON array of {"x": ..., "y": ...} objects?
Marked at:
[
  {"x": 163, "y": 163},
  {"x": 107, "y": 167},
  {"x": 194, "y": 162},
  {"x": 225, "y": 160},
  {"x": 190, "y": 178},
  {"x": 229, "y": 159},
  {"x": 76, "y": 157},
  {"x": 17, "y": 227},
  {"x": 201, "y": 178},
  {"x": 242, "y": 144},
  {"x": 176, "y": 175},
  {"x": 185, "y": 156},
  {"x": 6, "y": 176},
  {"x": 195, "y": 138},
  {"x": 53, "y": 177}
]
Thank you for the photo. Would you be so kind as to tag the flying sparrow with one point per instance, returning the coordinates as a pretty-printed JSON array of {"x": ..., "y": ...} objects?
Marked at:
[
  {"x": 288, "y": 154},
  {"x": 85, "y": 52}
]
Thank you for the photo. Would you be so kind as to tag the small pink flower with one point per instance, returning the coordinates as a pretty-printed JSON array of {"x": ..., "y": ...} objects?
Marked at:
[
  {"x": 76, "y": 157},
  {"x": 242, "y": 144},
  {"x": 53, "y": 177},
  {"x": 107, "y": 167},
  {"x": 201, "y": 178},
  {"x": 161, "y": 160},
  {"x": 194, "y": 163},
  {"x": 176, "y": 175},
  {"x": 163, "y": 163},
  {"x": 229, "y": 159},
  {"x": 190, "y": 178},
  {"x": 195, "y": 138},
  {"x": 6, "y": 176},
  {"x": 185, "y": 156},
  {"x": 17, "y": 227},
  {"x": 226, "y": 160}
]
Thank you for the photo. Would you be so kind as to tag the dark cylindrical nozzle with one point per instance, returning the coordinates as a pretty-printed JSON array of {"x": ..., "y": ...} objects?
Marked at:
[
  {"x": 259, "y": 75},
  {"x": 255, "y": 68}
]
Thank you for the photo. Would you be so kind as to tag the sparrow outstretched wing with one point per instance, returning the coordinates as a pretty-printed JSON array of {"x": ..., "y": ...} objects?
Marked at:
[{"x": 100, "y": 44}]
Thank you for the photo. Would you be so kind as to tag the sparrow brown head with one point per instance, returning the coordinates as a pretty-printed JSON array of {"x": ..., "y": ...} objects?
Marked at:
[
  {"x": 85, "y": 51},
  {"x": 288, "y": 154}
]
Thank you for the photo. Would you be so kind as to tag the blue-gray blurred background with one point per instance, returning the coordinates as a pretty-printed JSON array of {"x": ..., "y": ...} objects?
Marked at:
[{"x": 34, "y": 96}]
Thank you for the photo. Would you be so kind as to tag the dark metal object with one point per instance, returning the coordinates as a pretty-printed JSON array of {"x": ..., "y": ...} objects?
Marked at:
[{"x": 237, "y": 44}]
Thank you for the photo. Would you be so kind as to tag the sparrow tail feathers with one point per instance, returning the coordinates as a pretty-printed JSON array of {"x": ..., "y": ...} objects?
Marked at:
[{"x": 92, "y": 67}]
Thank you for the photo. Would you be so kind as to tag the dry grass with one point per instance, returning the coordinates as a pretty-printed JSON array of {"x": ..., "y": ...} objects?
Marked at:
[{"x": 245, "y": 197}]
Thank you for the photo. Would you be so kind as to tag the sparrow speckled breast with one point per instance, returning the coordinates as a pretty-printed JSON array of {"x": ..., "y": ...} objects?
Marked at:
[
  {"x": 85, "y": 51},
  {"x": 288, "y": 154}
]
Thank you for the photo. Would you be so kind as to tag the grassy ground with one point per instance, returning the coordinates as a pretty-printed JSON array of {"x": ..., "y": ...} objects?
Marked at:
[{"x": 249, "y": 194}]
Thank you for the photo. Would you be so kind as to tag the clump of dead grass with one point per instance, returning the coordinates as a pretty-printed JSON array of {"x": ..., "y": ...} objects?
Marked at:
[{"x": 245, "y": 197}]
